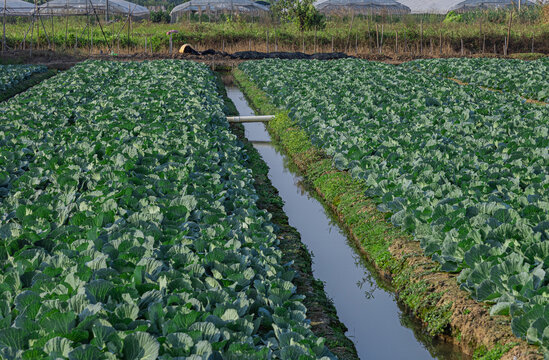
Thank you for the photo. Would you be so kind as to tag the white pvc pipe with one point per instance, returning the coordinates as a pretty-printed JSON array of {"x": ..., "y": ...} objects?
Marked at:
[{"x": 246, "y": 119}]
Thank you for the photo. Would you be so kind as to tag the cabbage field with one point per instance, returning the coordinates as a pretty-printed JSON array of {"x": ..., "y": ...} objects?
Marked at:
[
  {"x": 529, "y": 79},
  {"x": 463, "y": 169},
  {"x": 11, "y": 75},
  {"x": 129, "y": 225}
]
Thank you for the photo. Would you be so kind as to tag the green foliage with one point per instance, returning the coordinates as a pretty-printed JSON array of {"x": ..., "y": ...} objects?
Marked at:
[
  {"x": 452, "y": 17},
  {"x": 300, "y": 12},
  {"x": 11, "y": 75},
  {"x": 525, "y": 78},
  {"x": 494, "y": 354},
  {"x": 130, "y": 226},
  {"x": 160, "y": 17},
  {"x": 460, "y": 168}
]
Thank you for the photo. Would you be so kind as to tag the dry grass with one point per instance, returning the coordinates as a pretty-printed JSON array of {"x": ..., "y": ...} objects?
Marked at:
[{"x": 546, "y": 14}]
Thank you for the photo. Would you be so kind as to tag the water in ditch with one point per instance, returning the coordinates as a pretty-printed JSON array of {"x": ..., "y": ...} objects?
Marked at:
[{"x": 377, "y": 325}]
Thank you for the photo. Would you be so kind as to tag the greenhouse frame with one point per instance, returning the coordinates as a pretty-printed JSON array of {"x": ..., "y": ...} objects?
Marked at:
[
  {"x": 469, "y": 5},
  {"x": 361, "y": 7},
  {"x": 89, "y": 7},
  {"x": 217, "y": 7}
]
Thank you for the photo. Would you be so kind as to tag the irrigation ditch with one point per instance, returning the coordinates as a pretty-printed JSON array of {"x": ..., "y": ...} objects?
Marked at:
[{"x": 431, "y": 296}]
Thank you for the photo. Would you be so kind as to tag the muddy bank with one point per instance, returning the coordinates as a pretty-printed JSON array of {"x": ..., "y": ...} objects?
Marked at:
[{"x": 431, "y": 295}]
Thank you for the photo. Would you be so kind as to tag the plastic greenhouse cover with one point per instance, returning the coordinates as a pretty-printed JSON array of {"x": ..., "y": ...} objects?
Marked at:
[
  {"x": 65, "y": 7},
  {"x": 16, "y": 8}
]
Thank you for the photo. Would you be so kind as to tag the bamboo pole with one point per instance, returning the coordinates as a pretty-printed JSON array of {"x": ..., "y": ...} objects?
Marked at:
[
  {"x": 369, "y": 36},
  {"x": 4, "y": 27},
  {"x": 421, "y": 38},
  {"x": 508, "y": 34},
  {"x": 377, "y": 37},
  {"x": 480, "y": 33},
  {"x": 440, "y": 43},
  {"x": 348, "y": 44},
  {"x": 32, "y": 29},
  {"x": 45, "y": 32},
  {"x": 315, "y": 40},
  {"x": 381, "y": 42}
]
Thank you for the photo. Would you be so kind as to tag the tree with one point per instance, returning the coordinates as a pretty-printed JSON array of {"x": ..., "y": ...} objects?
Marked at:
[{"x": 301, "y": 12}]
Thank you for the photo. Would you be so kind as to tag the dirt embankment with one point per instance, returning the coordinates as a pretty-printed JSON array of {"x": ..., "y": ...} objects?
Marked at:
[{"x": 216, "y": 59}]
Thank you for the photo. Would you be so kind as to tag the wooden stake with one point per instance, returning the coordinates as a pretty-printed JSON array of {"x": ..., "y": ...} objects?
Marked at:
[
  {"x": 440, "y": 41},
  {"x": 421, "y": 38},
  {"x": 480, "y": 34},
  {"x": 369, "y": 36},
  {"x": 508, "y": 34},
  {"x": 377, "y": 36},
  {"x": 32, "y": 36},
  {"x": 4, "y": 26},
  {"x": 396, "y": 43},
  {"x": 381, "y": 42},
  {"x": 348, "y": 44}
]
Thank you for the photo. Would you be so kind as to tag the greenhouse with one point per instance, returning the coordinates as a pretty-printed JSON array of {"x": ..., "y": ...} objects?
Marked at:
[
  {"x": 430, "y": 6},
  {"x": 362, "y": 6},
  {"x": 16, "y": 8},
  {"x": 216, "y": 7},
  {"x": 468, "y": 5},
  {"x": 85, "y": 7}
]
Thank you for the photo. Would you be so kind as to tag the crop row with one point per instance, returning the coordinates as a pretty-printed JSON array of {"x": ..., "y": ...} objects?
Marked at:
[
  {"x": 524, "y": 78},
  {"x": 463, "y": 169},
  {"x": 11, "y": 75},
  {"x": 129, "y": 226}
]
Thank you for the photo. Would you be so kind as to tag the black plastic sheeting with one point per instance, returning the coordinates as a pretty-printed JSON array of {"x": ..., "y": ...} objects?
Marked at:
[{"x": 256, "y": 55}]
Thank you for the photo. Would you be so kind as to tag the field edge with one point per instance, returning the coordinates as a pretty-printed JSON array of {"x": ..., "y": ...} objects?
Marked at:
[
  {"x": 31, "y": 81},
  {"x": 431, "y": 295}
]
